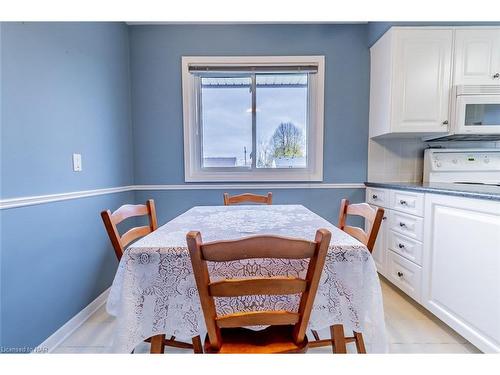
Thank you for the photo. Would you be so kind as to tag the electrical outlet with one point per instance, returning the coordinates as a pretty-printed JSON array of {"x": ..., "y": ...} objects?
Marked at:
[{"x": 77, "y": 162}]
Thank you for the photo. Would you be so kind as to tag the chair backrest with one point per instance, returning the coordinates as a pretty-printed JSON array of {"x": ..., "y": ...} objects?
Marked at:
[
  {"x": 372, "y": 215},
  {"x": 124, "y": 212},
  {"x": 257, "y": 247},
  {"x": 248, "y": 197}
]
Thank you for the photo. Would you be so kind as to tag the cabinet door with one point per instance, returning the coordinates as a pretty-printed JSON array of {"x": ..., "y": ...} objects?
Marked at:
[
  {"x": 379, "y": 252},
  {"x": 461, "y": 282},
  {"x": 422, "y": 80},
  {"x": 477, "y": 57}
]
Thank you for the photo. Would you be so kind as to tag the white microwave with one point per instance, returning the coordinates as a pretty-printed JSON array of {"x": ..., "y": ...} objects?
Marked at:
[
  {"x": 477, "y": 109},
  {"x": 476, "y": 113}
]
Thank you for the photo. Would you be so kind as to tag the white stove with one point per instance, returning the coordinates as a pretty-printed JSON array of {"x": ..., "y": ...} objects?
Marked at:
[{"x": 462, "y": 166}]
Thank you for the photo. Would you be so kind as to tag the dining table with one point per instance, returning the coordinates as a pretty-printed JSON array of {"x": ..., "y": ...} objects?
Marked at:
[{"x": 154, "y": 291}]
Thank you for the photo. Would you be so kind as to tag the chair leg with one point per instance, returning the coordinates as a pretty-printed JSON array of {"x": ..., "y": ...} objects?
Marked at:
[
  {"x": 360, "y": 343},
  {"x": 315, "y": 334},
  {"x": 197, "y": 347},
  {"x": 158, "y": 344},
  {"x": 338, "y": 337}
]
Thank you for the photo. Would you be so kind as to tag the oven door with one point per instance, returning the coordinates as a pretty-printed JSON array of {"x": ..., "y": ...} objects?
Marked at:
[{"x": 478, "y": 114}]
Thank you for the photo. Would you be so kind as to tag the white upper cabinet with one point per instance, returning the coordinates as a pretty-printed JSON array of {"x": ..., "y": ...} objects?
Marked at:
[
  {"x": 411, "y": 84},
  {"x": 477, "y": 56},
  {"x": 422, "y": 80}
]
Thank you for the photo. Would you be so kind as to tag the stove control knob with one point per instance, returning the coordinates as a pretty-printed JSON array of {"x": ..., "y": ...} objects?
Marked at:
[
  {"x": 486, "y": 160},
  {"x": 438, "y": 164},
  {"x": 454, "y": 161}
]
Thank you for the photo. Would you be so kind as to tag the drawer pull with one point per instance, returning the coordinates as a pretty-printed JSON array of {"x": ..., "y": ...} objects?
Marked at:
[
  {"x": 374, "y": 196},
  {"x": 402, "y": 202},
  {"x": 401, "y": 246},
  {"x": 400, "y": 274},
  {"x": 402, "y": 225}
]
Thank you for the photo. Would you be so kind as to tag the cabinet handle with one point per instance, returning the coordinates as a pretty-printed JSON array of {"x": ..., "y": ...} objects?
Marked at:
[
  {"x": 400, "y": 274},
  {"x": 401, "y": 246},
  {"x": 496, "y": 75},
  {"x": 445, "y": 122},
  {"x": 403, "y": 202},
  {"x": 374, "y": 196},
  {"x": 402, "y": 225}
]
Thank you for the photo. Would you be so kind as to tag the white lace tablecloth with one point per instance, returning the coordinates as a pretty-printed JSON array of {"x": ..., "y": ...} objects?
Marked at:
[{"x": 154, "y": 291}]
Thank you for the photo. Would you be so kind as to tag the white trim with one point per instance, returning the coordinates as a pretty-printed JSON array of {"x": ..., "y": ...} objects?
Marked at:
[
  {"x": 211, "y": 23},
  {"x": 251, "y": 186},
  {"x": 41, "y": 199},
  {"x": 54, "y": 340},
  {"x": 192, "y": 153}
]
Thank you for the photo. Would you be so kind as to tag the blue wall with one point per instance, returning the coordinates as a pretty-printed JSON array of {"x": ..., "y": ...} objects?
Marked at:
[
  {"x": 65, "y": 88},
  {"x": 324, "y": 202},
  {"x": 156, "y": 53},
  {"x": 56, "y": 259}
]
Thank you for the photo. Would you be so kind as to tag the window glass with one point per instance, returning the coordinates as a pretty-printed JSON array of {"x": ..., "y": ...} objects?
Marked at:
[
  {"x": 226, "y": 118},
  {"x": 281, "y": 120}
]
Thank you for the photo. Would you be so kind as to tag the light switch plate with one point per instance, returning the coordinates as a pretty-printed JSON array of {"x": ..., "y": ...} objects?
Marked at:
[{"x": 77, "y": 162}]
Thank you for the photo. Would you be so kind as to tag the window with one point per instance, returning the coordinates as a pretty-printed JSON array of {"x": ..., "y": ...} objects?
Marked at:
[{"x": 253, "y": 118}]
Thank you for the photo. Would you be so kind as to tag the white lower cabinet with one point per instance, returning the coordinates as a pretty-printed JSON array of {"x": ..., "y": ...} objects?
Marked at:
[
  {"x": 406, "y": 275},
  {"x": 405, "y": 247},
  {"x": 461, "y": 266},
  {"x": 447, "y": 258},
  {"x": 407, "y": 225},
  {"x": 400, "y": 232}
]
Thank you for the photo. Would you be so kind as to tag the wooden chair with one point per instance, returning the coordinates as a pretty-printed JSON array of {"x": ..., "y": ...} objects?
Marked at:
[
  {"x": 287, "y": 330},
  {"x": 120, "y": 243},
  {"x": 248, "y": 197},
  {"x": 373, "y": 219},
  {"x": 124, "y": 212}
]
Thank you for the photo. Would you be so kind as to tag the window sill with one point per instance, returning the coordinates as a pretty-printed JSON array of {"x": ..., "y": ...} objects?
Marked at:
[{"x": 255, "y": 176}]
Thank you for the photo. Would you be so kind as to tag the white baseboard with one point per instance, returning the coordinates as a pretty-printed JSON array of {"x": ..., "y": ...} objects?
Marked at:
[{"x": 54, "y": 340}]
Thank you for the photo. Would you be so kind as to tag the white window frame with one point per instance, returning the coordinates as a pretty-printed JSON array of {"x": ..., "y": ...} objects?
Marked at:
[{"x": 193, "y": 171}]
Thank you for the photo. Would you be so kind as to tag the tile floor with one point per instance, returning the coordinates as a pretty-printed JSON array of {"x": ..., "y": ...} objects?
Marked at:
[{"x": 410, "y": 329}]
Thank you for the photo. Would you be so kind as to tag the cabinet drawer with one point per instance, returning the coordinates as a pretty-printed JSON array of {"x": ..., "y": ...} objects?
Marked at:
[
  {"x": 411, "y": 226},
  {"x": 379, "y": 197},
  {"x": 406, "y": 247},
  {"x": 404, "y": 201},
  {"x": 406, "y": 275}
]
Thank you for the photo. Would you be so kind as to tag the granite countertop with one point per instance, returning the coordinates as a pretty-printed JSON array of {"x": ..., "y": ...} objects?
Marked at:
[{"x": 460, "y": 190}]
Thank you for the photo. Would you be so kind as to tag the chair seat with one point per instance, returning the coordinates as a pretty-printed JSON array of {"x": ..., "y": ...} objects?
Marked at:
[{"x": 274, "y": 339}]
